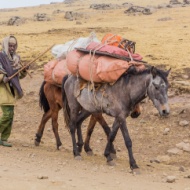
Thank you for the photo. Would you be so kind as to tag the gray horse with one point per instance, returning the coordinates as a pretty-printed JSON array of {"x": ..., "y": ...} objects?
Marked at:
[{"x": 116, "y": 100}]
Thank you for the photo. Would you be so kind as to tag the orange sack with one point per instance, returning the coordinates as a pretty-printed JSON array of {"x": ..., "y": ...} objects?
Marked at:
[
  {"x": 111, "y": 39},
  {"x": 54, "y": 71},
  {"x": 48, "y": 69},
  {"x": 60, "y": 71},
  {"x": 72, "y": 60}
]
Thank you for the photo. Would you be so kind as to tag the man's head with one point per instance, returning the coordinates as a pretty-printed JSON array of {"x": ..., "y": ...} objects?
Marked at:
[
  {"x": 9, "y": 45},
  {"x": 12, "y": 45}
]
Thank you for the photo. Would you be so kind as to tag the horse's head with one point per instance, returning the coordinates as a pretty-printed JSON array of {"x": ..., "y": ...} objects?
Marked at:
[{"x": 157, "y": 90}]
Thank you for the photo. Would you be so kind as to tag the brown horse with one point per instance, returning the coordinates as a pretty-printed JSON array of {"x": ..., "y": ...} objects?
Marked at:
[{"x": 51, "y": 102}]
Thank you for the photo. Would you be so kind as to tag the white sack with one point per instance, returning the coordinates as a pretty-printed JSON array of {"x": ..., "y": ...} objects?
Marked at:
[{"x": 60, "y": 51}]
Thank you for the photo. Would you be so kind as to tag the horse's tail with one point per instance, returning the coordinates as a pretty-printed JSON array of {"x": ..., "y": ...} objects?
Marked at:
[
  {"x": 43, "y": 100},
  {"x": 66, "y": 109}
]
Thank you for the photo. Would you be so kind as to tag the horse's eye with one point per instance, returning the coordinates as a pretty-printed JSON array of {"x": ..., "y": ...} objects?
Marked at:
[{"x": 156, "y": 86}]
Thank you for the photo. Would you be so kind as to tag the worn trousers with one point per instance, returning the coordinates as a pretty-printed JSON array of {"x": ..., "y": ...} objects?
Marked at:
[{"x": 6, "y": 122}]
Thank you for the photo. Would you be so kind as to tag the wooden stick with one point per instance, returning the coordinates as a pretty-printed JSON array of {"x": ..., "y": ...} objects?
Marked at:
[
  {"x": 24, "y": 67},
  {"x": 26, "y": 71}
]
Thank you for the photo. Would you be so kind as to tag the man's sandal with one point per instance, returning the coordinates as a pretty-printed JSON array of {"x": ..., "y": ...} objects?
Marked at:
[{"x": 5, "y": 143}]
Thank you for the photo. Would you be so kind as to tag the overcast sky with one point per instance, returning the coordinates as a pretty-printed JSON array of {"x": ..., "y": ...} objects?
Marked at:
[{"x": 24, "y": 3}]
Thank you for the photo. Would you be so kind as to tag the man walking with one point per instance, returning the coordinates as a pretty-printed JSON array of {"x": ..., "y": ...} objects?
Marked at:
[{"x": 10, "y": 90}]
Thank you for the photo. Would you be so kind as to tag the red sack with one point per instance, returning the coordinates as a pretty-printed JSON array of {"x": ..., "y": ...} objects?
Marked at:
[{"x": 112, "y": 50}]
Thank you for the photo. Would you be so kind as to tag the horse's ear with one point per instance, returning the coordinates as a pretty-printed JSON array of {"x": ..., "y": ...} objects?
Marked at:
[
  {"x": 153, "y": 71},
  {"x": 168, "y": 72}
]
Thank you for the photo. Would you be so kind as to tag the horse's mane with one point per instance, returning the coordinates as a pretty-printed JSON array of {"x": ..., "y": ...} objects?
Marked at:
[{"x": 133, "y": 71}]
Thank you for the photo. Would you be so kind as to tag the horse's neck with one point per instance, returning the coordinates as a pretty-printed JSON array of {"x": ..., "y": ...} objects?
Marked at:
[{"x": 139, "y": 85}]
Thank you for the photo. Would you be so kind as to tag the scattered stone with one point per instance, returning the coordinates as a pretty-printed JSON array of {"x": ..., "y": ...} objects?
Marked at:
[
  {"x": 174, "y": 2},
  {"x": 70, "y": 15},
  {"x": 155, "y": 160},
  {"x": 16, "y": 21},
  {"x": 166, "y": 131},
  {"x": 104, "y": 6},
  {"x": 25, "y": 145},
  {"x": 185, "y": 76},
  {"x": 186, "y": 1},
  {"x": 49, "y": 129},
  {"x": 170, "y": 179},
  {"x": 137, "y": 9},
  {"x": 78, "y": 22},
  {"x": 162, "y": 6},
  {"x": 161, "y": 159},
  {"x": 174, "y": 151},
  {"x": 183, "y": 146},
  {"x": 58, "y": 11},
  {"x": 41, "y": 17},
  {"x": 186, "y": 147},
  {"x": 184, "y": 123},
  {"x": 181, "y": 169},
  {"x": 69, "y": 1},
  {"x": 42, "y": 177},
  {"x": 187, "y": 176},
  {"x": 165, "y": 19}
]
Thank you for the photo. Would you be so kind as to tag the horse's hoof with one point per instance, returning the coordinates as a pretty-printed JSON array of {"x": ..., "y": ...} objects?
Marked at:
[
  {"x": 78, "y": 157},
  {"x": 90, "y": 153},
  {"x": 58, "y": 147},
  {"x": 136, "y": 171},
  {"x": 113, "y": 156},
  {"x": 111, "y": 163},
  {"x": 36, "y": 143}
]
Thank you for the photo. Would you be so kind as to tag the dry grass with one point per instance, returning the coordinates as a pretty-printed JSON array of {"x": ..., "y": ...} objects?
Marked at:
[{"x": 159, "y": 42}]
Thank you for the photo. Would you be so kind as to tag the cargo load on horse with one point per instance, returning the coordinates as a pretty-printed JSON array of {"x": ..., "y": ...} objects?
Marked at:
[
  {"x": 106, "y": 61},
  {"x": 92, "y": 60}
]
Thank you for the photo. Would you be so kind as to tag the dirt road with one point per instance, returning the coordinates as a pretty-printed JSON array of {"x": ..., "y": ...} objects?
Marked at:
[{"x": 25, "y": 166}]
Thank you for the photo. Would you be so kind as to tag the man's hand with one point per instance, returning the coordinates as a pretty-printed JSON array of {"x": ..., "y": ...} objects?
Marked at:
[
  {"x": 27, "y": 68},
  {"x": 5, "y": 79}
]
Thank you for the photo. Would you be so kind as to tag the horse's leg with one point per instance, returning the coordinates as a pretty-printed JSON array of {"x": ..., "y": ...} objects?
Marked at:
[
  {"x": 72, "y": 127},
  {"x": 90, "y": 129},
  {"x": 128, "y": 143},
  {"x": 109, "y": 145},
  {"x": 82, "y": 116},
  {"x": 55, "y": 128},
  {"x": 107, "y": 131},
  {"x": 46, "y": 116}
]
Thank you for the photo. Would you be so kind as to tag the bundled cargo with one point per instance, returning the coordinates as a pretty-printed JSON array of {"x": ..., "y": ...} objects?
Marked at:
[
  {"x": 98, "y": 68},
  {"x": 60, "y": 51},
  {"x": 55, "y": 71}
]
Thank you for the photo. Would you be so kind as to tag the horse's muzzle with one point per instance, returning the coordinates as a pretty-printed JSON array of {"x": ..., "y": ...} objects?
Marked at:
[{"x": 164, "y": 113}]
